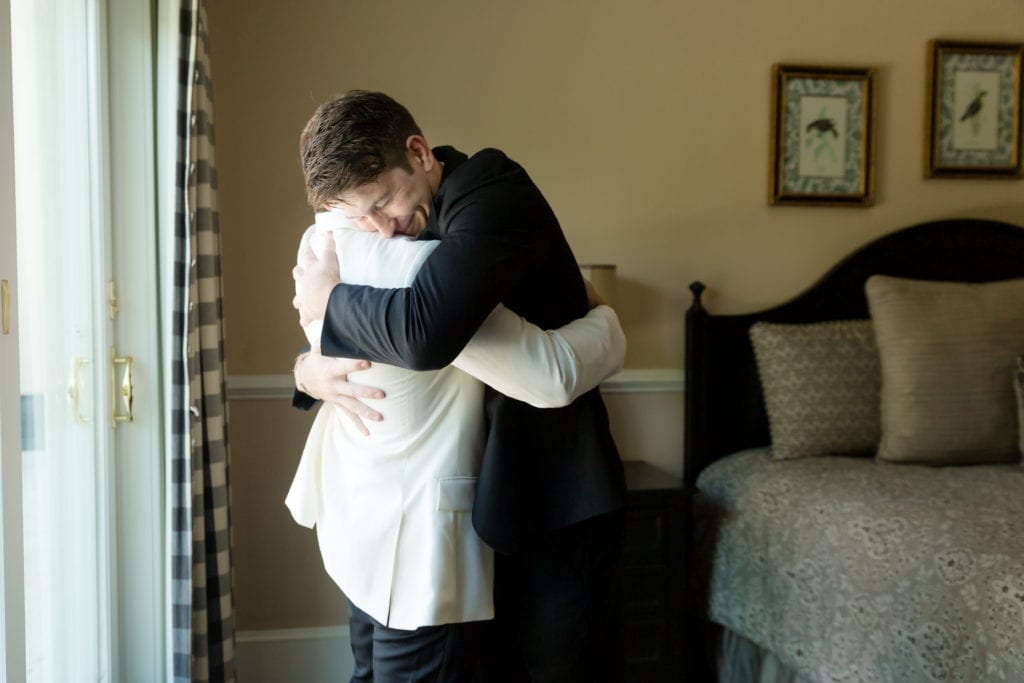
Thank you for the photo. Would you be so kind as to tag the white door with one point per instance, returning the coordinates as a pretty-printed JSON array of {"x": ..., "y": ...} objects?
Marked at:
[{"x": 89, "y": 369}]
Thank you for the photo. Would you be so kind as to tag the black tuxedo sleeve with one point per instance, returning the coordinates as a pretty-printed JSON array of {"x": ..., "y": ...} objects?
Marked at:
[
  {"x": 490, "y": 244},
  {"x": 301, "y": 399}
]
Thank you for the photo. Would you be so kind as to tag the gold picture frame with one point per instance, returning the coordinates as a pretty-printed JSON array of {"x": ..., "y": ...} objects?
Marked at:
[
  {"x": 974, "y": 109},
  {"x": 823, "y": 135}
]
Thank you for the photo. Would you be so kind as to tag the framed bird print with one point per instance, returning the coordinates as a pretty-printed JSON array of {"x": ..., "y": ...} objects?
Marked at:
[
  {"x": 823, "y": 135},
  {"x": 974, "y": 114}
]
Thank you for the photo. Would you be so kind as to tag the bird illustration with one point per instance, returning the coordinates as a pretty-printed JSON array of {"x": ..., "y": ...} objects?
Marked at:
[
  {"x": 823, "y": 126},
  {"x": 974, "y": 107}
]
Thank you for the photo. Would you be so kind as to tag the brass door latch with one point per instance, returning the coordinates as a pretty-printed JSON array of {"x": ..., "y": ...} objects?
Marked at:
[{"x": 122, "y": 393}]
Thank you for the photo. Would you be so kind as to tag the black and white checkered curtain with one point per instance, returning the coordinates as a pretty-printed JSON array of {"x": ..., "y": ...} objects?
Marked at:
[{"x": 201, "y": 589}]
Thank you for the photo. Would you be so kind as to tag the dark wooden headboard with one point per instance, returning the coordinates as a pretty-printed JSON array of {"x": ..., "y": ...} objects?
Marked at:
[{"x": 724, "y": 410}]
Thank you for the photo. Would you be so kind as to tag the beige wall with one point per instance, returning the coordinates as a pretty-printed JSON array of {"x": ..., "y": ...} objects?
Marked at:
[
  {"x": 279, "y": 577},
  {"x": 646, "y": 124}
]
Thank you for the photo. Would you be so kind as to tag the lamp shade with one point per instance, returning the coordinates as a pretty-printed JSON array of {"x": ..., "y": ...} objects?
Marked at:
[{"x": 603, "y": 277}]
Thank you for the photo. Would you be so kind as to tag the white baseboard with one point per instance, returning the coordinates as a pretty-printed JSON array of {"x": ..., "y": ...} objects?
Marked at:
[
  {"x": 298, "y": 655},
  {"x": 652, "y": 380}
]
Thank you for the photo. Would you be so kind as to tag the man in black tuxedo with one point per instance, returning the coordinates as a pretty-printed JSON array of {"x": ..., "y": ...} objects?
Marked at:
[{"x": 550, "y": 494}]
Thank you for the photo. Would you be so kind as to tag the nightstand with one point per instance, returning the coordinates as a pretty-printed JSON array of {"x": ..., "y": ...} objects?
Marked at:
[{"x": 653, "y": 574}]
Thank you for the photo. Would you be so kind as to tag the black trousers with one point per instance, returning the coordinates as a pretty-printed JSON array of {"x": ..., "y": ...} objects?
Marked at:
[
  {"x": 449, "y": 653},
  {"x": 558, "y": 608}
]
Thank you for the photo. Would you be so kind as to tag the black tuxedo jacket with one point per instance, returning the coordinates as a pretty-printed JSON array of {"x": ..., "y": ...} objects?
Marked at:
[{"x": 500, "y": 242}]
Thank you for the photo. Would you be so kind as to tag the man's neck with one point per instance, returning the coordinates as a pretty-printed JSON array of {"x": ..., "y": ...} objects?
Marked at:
[{"x": 434, "y": 176}]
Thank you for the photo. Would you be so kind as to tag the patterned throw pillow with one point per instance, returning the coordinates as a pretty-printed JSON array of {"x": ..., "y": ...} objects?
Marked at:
[
  {"x": 1018, "y": 386},
  {"x": 821, "y": 384},
  {"x": 947, "y": 349}
]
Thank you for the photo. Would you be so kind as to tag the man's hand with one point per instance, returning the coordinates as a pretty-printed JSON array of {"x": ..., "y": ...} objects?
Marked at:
[
  {"x": 326, "y": 379},
  {"x": 314, "y": 281}
]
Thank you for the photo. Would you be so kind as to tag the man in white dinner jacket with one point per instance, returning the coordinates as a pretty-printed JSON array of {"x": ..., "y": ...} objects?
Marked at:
[{"x": 392, "y": 508}]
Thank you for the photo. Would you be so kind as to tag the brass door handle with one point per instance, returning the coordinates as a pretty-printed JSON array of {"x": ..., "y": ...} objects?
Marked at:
[
  {"x": 125, "y": 390},
  {"x": 5, "y": 305}
]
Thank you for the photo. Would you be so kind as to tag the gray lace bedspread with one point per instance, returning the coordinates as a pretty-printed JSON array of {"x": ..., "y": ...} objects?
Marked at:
[{"x": 855, "y": 570}]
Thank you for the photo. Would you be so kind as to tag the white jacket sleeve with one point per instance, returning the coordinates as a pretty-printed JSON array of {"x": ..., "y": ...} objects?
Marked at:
[{"x": 547, "y": 369}]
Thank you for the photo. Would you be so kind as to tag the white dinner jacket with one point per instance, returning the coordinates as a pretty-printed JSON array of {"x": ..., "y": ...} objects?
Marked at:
[{"x": 393, "y": 510}]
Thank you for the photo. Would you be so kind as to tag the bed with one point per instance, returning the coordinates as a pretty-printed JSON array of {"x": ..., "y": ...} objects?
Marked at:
[{"x": 848, "y": 567}]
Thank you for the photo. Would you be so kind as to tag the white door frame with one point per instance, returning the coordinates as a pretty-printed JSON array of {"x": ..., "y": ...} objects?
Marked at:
[
  {"x": 12, "y": 595},
  {"x": 140, "y": 450}
]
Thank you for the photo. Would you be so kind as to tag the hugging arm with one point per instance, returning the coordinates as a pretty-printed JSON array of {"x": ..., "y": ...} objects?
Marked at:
[
  {"x": 321, "y": 378},
  {"x": 489, "y": 246},
  {"x": 546, "y": 369}
]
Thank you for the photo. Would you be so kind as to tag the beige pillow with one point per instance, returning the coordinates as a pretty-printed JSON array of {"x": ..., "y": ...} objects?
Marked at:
[
  {"x": 946, "y": 349},
  {"x": 821, "y": 386}
]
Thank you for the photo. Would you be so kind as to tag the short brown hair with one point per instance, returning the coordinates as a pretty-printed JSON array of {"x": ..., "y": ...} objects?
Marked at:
[{"x": 350, "y": 141}]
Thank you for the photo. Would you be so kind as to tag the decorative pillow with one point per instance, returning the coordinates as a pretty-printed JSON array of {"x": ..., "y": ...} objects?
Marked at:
[
  {"x": 1018, "y": 386},
  {"x": 821, "y": 385},
  {"x": 946, "y": 350}
]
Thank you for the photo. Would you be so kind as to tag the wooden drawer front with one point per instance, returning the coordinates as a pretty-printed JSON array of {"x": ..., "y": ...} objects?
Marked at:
[
  {"x": 647, "y": 531},
  {"x": 645, "y": 641},
  {"x": 646, "y": 590}
]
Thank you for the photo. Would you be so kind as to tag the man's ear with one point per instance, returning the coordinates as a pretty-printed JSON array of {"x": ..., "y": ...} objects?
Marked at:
[{"x": 419, "y": 152}]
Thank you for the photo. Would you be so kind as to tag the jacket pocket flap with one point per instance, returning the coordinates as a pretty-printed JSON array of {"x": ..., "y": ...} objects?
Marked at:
[{"x": 456, "y": 494}]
